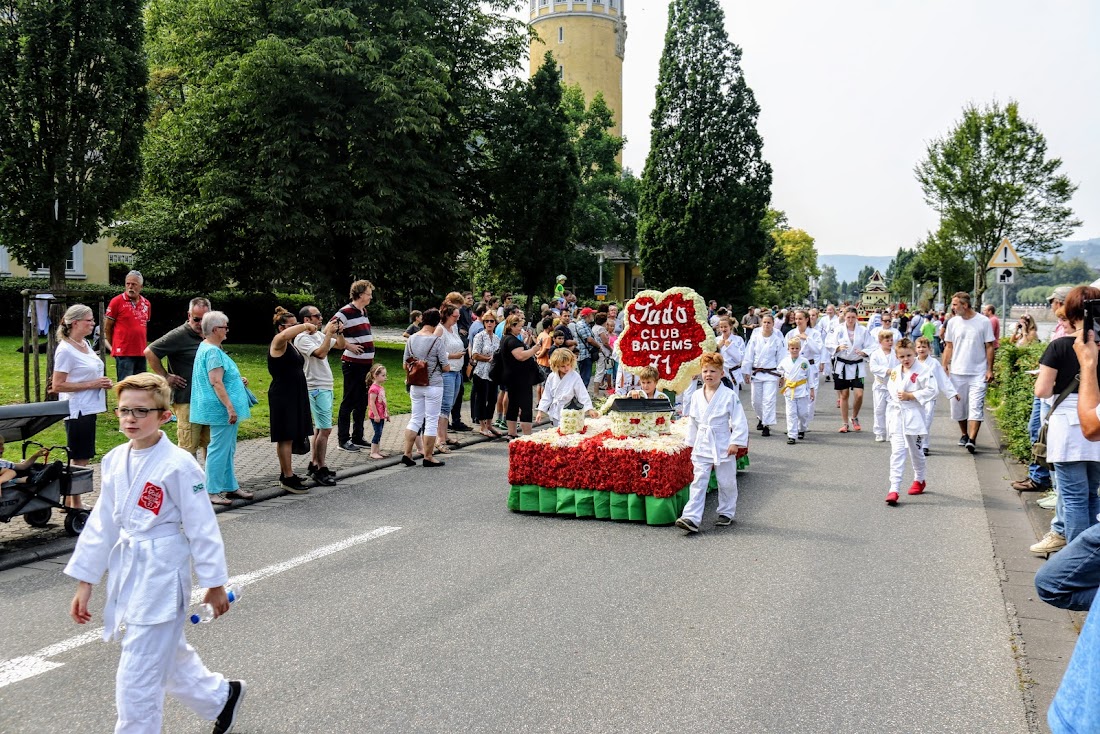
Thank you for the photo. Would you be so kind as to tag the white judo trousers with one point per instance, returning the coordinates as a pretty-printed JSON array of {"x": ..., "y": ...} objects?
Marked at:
[
  {"x": 764, "y": 395},
  {"x": 900, "y": 447},
  {"x": 156, "y": 659},
  {"x": 929, "y": 414},
  {"x": 798, "y": 414},
  {"x": 880, "y": 396},
  {"x": 726, "y": 474}
]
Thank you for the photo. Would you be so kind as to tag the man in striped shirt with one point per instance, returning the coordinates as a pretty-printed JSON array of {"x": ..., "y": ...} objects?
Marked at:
[{"x": 355, "y": 363}]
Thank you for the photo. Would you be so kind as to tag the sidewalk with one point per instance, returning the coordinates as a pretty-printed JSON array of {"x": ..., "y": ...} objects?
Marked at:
[{"x": 257, "y": 471}]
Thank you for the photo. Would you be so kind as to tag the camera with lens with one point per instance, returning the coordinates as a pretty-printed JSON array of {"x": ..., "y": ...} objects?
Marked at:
[{"x": 1092, "y": 317}]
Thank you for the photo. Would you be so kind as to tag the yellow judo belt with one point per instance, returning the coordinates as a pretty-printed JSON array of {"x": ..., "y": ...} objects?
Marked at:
[{"x": 792, "y": 386}]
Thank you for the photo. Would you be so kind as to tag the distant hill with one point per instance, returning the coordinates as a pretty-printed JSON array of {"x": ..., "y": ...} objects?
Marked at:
[
  {"x": 1087, "y": 250},
  {"x": 848, "y": 266}
]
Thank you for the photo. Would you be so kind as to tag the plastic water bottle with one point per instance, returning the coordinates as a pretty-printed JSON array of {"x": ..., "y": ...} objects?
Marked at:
[{"x": 205, "y": 613}]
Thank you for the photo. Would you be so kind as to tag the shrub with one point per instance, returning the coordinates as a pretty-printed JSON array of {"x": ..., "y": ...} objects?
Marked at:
[
  {"x": 1011, "y": 393},
  {"x": 250, "y": 313}
]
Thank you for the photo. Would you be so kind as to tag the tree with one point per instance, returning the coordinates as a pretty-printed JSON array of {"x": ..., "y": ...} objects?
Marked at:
[
  {"x": 784, "y": 275},
  {"x": 535, "y": 182},
  {"x": 990, "y": 178},
  {"x": 310, "y": 143},
  {"x": 828, "y": 289},
  {"x": 72, "y": 108},
  {"x": 706, "y": 186}
]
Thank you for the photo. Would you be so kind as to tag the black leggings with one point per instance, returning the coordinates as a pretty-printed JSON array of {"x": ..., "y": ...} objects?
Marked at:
[
  {"x": 519, "y": 403},
  {"x": 483, "y": 399}
]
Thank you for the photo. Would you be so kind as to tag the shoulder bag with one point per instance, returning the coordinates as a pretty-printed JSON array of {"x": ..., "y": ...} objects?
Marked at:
[
  {"x": 416, "y": 369},
  {"x": 1039, "y": 448}
]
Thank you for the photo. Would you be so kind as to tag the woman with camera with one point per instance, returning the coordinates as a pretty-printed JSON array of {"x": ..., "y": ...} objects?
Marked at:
[{"x": 1074, "y": 459}]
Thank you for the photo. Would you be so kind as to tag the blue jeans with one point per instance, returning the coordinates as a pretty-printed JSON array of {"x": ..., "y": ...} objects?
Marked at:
[
  {"x": 1038, "y": 473},
  {"x": 584, "y": 369},
  {"x": 127, "y": 366},
  {"x": 451, "y": 382},
  {"x": 1077, "y": 484},
  {"x": 1068, "y": 580},
  {"x": 378, "y": 425}
]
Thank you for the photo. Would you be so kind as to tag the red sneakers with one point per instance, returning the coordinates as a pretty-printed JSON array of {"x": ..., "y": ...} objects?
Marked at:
[
  {"x": 892, "y": 498},
  {"x": 843, "y": 429},
  {"x": 917, "y": 487}
]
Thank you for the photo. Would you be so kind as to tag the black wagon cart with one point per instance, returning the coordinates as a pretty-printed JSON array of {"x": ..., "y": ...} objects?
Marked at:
[{"x": 37, "y": 494}]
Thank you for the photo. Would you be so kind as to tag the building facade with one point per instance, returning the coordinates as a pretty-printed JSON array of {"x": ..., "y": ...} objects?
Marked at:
[
  {"x": 91, "y": 263},
  {"x": 588, "y": 40}
]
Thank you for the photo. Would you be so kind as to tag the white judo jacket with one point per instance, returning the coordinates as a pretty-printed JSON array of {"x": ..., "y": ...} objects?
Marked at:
[
  {"x": 943, "y": 382},
  {"x": 713, "y": 427},
  {"x": 881, "y": 364},
  {"x": 732, "y": 352},
  {"x": 849, "y": 365},
  {"x": 559, "y": 391},
  {"x": 907, "y": 417},
  {"x": 798, "y": 376},
  {"x": 764, "y": 353},
  {"x": 146, "y": 530}
]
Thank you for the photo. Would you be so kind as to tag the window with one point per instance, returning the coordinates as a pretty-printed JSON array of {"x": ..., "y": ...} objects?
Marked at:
[
  {"x": 561, "y": 72},
  {"x": 5, "y": 264},
  {"x": 74, "y": 265},
  {"x": 561, "y": 34}
]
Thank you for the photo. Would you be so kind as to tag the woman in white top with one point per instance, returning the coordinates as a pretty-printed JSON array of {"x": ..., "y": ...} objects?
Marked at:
[
  {"x": 484, "y": 392},
  {"x": 452, "y": 381},
  {"x": 79, "y": 377}
]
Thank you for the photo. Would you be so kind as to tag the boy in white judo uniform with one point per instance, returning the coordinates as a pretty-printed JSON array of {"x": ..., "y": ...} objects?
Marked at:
[
  {"x": 765, "y": 351},
  {"x": 813, "y": 351},
  {"x": 718, "y": 434},
  {"x": 562, "y": 387},
  {"x": 796, "y": 384},
  {"x": 882, "y": 361},
  {"x": 910, "y": 388},
  {"x": 944, "y": 385},
  {"x": 152, "y": 522}
]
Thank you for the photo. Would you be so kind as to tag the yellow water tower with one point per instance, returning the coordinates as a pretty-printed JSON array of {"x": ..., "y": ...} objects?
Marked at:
[{"x": 588, "y": 40}]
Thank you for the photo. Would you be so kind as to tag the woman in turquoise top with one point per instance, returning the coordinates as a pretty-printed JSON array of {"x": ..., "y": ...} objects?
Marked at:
[{"x": 219, "y": 400}]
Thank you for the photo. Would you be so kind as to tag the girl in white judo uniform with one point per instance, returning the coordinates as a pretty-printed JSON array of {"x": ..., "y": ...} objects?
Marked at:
[
  {"x": 910, "y": 388},
  {"x": 853, "y": 345},
  {"x": 765, "y": 351},
  {"x": 562, "y": 387},
  {"x": 943, "y": 383},
  {"x": 732, "y": 349},
  {"x": 718, "y": 434},
  {"x": 796, "y": 384},
  {"x": 882, "y": 361},
  {"x": 813, "y": 351},
  {"x": 152, "y": 523}
]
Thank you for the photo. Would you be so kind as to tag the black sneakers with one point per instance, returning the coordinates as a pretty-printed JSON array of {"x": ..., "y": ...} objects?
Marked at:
[
  {"x": 723, "y": 521},
  {"x": 228, "y": 717},
  {"x": 322, "y": 475},
  {"x": 760, "y": 425},
  {"x": 970, "y": 445},
  {"x": 963, "y": 440},
  {"x": 766, "y": 432},
  {"x": 687, "y": 525},
  {"x": 293, "y": 484},
  {"x": 349, "y": 446},
  {"x": 791, "y": 441}
]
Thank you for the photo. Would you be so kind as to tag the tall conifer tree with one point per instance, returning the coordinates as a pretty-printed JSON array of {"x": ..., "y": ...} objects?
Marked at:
[{"x": 706, "y": 186}]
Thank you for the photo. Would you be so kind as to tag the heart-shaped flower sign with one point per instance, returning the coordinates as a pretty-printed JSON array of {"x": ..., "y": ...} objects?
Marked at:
[{"x": 668, "y": 331}]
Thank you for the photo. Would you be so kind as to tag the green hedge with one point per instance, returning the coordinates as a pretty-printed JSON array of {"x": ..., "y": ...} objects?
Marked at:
[
  {"x": 1011, "y": 394},
  {"x": 250, "y": 313}
]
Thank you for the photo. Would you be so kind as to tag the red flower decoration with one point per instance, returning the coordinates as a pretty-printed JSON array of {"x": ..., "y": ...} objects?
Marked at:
[
  {"x": 635, "y": 421},
  {"x": 660, "y": 421},
  {"x": 590, "y": 466},
  {"x": 668, "y": 329},
  {"x": 913, "y": 377}
]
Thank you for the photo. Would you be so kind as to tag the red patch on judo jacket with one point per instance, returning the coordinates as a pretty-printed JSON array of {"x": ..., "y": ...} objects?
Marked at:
[{"x": 152, "y": 497}]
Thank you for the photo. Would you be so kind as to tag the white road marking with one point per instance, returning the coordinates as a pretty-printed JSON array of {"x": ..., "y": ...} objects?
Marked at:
[{"x": 28, "y": 666}]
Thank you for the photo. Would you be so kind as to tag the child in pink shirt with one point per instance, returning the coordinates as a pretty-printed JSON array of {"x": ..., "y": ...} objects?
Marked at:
[{"x": 377, "y": 410}]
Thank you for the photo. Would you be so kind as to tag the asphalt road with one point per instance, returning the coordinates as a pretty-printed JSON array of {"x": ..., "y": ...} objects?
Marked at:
[{"x": 820, "y": 610}]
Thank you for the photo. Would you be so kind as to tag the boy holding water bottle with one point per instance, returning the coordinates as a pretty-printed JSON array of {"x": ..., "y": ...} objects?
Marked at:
[{"x": 152, "y": 523}]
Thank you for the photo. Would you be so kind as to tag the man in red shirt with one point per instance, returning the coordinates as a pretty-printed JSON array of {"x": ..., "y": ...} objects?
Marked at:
[
  {"x": 990, "y": 312},
  {"x": 124, "y": 328}
]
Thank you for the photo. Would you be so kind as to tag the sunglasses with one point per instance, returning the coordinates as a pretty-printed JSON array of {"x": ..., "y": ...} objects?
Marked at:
[{"x": 196, "y": 319}]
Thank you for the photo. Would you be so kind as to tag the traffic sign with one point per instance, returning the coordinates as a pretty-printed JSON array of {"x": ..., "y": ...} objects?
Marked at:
[
  {"x": 1006, "y": 276},
  {"x": 601, "y": 290},
  {"x": 1005, "y": 257}
]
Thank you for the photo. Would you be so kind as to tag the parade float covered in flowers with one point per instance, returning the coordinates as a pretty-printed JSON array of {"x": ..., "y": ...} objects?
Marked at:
[{"x": 631, "y": 463}]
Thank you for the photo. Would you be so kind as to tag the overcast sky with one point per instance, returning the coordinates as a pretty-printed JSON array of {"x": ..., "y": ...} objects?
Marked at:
[{"x": 851, "y": 92}]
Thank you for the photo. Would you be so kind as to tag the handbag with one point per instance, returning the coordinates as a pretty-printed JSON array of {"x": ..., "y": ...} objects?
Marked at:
[
  {"x": 496, "y": 368},
  {"x": 416, "y": 369},
  {"x": 1039, "y": 448},
  {"x": 534, "y": 373}
]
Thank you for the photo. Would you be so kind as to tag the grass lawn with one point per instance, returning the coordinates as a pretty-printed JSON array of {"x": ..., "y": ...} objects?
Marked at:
[{"x": 250, "y": 358}]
